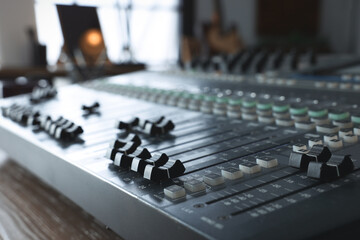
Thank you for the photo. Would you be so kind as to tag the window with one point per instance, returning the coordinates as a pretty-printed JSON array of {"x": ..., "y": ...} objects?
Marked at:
[{"x": 153, "y": 25}]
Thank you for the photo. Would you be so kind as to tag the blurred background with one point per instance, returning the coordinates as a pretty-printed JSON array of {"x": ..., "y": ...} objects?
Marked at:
[{"x": 79, "y": 40}]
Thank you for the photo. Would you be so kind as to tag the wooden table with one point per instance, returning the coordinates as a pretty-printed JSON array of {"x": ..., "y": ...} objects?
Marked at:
[{"x": 30, "y": 209}]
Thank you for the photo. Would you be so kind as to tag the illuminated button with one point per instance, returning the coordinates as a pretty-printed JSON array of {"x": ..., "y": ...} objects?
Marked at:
[
  {"x": 317, "y": 111},
  {"x": 320, "y": 120},
  {"x": 174, "y": 192},
  {"x": 231, "y": 173},
  {"x": 298, "y": 147},
  {"x": 206, "y": 107},
  {"x": 284, "y": 122},
  {"x": 220, "y": 106},
  {"x": 345, "y": 131},
  {"x": 327, "y": 128},
  {"x": 343, "y": 123},
  {"x": 330, "y": 137},
  {"x": 298, "y": 109},
  {"x": 235, "y": 101},
  {"x": 221, "y": 100},
  {"x": 195, "y": 102},
  {"x": 350, "y": 138},
  {"x": 335, "y": 143},
  {"x": 194, "y": 186},
  {"x": 173, "y": 98},
  {"x": 210, "y": 98},
  {"x": 264, "y": 105},
  {"x": 307, "y": 125},
  {"x": 355, "y": 117},
  {"x": 213, "y": 179},
  {"x": 338, "y": 114},
  {"x": 280, "y": 106},
  {"x": 221, "y": 103},
  {"x": 314, "y": 141},
  {"x": 267, "y": 161},
  {"x": 249, "y": 103},
  {"x": 249, "y": 167}
]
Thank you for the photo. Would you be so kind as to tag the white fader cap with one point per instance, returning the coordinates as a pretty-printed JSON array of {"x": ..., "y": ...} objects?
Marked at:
[
  {"x": 174, "y": 192},
  {"x": 231, "y": 173}
]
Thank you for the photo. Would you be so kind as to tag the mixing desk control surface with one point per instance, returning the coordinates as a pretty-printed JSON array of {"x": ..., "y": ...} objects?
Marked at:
[{"x": 162, "y": 155}]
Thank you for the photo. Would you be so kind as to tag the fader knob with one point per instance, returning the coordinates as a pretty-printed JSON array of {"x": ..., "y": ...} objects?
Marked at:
[
  {"x": 301, "y": 159},
  {"x": 172, "y": 169},
  {"x": 337, "y": 166}
]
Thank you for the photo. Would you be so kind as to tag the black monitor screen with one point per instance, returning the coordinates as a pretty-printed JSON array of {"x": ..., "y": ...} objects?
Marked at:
[{"x": 76, "y": 20}]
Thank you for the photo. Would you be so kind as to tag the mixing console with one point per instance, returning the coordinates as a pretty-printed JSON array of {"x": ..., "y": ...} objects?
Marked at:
[{"x": 180, "y": 155}]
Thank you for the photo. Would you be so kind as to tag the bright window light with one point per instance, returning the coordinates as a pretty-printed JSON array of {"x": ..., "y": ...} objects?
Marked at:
[{"x": 154, "y": 29}]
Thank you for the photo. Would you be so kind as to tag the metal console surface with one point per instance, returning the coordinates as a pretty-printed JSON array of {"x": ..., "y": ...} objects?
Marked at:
[{"x": 274, "y": 201}]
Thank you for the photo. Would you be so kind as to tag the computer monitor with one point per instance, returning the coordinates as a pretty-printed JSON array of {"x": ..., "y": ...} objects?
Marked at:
[{"x": 75, "y": 21}]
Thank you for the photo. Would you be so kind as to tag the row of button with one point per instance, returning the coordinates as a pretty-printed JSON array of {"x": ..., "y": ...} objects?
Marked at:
[
  {"x": 320, "y": 163},
  {"x": 61, "y": 129},
  {"x": 126, "y": 153},
  {"x": 268, "y": 78},
  {"x": 331, "y": 140},
  {"x": 250, "y": 108},
  {"x": 213, "y": 179},
  {"x": 153, "y": 128},
  {"x": 41, "y": 93},
  {"x": 21, "y": 114}
]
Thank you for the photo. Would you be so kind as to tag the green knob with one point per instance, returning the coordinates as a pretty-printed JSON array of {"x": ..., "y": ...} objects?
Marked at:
[
  {"x": 210, "y": 98},
  {"x": 222, "y": 100},
  {"x": 249, "y": 103},
  {"x": 318, "y": 113},
  {"x": 355, "y": 119},
  {"x": 264, "y": 106},
  {"x": 235, "y": 101},
  {"x": 339, "y": 115},
  {"x": 298, "y": 110},
  {"x": 198, "y": 96},
  {"x": 280, "y": 108}
]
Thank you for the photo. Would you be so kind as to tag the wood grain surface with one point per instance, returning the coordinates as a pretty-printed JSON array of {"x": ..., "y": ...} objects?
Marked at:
[{"x": 30, "y": 209}]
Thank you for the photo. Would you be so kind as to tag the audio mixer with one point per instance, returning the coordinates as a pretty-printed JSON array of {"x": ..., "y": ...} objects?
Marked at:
[{"x": 184, "y": 155}]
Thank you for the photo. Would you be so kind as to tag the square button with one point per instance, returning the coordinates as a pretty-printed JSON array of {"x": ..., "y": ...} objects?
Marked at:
[
  {"x": 194, "y": 186},
  {"x": 174, "y": 192},
  {"x": 249, "y": 167},
  {"x": 213, "y": 179},
  {"x": 267, "y": 161},
  {"x": 231, "y": 173}
]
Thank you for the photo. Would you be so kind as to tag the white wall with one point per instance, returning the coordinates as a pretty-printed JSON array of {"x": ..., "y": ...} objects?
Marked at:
[{"x": 15, "y": 17}]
